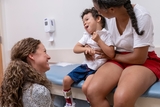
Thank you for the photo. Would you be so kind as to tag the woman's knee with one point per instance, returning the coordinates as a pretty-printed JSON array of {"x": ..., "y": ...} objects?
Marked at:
[
  {"x": 90, "y": 93},
  {"x": 84, "y": 88},
  {"x": 119, "y": 100},
  {"x": 122, "y": 99}
]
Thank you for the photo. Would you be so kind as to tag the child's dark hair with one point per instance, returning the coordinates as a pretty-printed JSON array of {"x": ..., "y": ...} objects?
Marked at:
[
  {"x": 105, "y": 4},
  {"x": 95, "y": 14}
]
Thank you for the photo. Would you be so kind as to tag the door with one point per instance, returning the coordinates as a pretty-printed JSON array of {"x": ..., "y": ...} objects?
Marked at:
[
  {"x": 1, "y": 61},
  {"x": 1, "y": 64}
]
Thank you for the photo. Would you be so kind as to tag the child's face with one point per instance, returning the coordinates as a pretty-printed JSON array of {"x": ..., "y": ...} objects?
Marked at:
[{"x": 90, "y": 24}]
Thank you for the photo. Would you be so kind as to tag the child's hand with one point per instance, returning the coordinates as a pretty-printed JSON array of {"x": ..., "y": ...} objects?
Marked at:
[
  {"x": 89, "y": 51},
  {"x": 95, "y": 37}
]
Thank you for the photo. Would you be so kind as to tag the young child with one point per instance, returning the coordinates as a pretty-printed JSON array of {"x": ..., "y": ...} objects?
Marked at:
[{"x": 94, "y": 25}]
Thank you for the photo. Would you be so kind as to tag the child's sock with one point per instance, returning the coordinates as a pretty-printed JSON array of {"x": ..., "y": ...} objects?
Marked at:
[
  {"x": 87, "y": 100},
  {"x": 68, "y": 96}
]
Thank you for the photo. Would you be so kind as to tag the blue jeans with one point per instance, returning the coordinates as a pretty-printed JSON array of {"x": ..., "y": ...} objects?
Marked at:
[{"x": 80, "y": 73}]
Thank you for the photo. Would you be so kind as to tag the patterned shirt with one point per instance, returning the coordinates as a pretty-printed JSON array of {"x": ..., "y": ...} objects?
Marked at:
[{"x": 37, "y": 96}]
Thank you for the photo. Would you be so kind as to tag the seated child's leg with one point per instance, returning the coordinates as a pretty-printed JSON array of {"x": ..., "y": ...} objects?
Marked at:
[
  {"x": 69, "y": 98},
  {"x": 76, "y": 75},
  {"x": 67, "y": 82}
]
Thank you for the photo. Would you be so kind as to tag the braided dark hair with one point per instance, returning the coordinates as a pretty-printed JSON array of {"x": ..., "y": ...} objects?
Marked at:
[
  {"x": 105, "y": 4},
  {"x": 95, "y": 15}
]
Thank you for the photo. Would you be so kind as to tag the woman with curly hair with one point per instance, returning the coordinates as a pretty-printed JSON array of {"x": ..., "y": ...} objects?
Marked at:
[{"x": 24, "y": 83}]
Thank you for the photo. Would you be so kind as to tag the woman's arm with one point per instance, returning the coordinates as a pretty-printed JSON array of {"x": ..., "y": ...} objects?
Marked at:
[{"x": 138, "y": 56}]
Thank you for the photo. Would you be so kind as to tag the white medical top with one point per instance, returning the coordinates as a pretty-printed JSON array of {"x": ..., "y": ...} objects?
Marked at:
[
  {"x": 87, "y": 40},
  {"x": 37, "y": 96},
  {"x": 130, "y": 39}
]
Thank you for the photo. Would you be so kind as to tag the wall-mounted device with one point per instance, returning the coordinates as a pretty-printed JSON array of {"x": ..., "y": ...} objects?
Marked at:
[{"x": 49, "y": 25}]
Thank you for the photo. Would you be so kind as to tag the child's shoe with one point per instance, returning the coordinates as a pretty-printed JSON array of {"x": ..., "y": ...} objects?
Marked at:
[{"x": 69, "y": 105}]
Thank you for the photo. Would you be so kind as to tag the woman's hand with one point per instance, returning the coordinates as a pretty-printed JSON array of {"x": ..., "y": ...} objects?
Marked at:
[
  {"x": 101, "y": 54},
  {"x": 90, "y": 54},
  {"x": 89, "y": 57}
]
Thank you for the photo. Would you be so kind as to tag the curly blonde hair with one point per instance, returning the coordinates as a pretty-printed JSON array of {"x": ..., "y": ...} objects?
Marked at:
[{"x": 19, "y": 72}]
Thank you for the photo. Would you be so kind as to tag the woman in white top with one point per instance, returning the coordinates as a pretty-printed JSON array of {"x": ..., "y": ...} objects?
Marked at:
[
  {"x": 135, "y": 66},
  {"x": 24, "y": 83}
]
